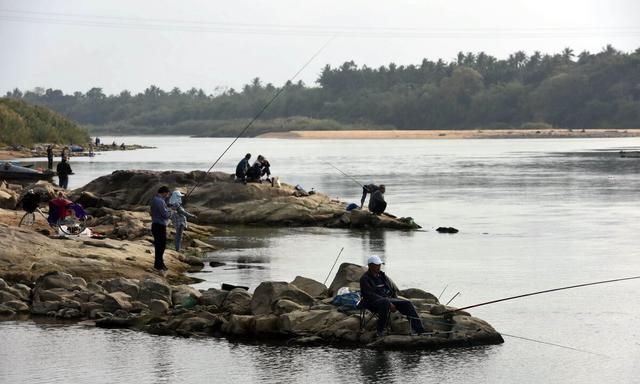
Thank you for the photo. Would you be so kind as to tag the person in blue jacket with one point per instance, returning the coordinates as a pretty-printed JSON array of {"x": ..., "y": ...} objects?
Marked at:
[{"x": 160, "y": 215}]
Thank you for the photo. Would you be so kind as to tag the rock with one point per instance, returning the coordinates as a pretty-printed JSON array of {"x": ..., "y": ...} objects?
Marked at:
[
  {"x": 89, "y": 200},
  {"x": 22, "y": 291},
  {"x": 415, "y": 293},
  {"x": 95, "y": 288},
  {"x": 8, "y": 199},
  {"x": 55, "y": 280},
  {"x": 6, "y": 311},
  {"x": 88, "y": 307},
  {"x": 185, "y": 296},
  {"x": 213, "y": 296},
  {"x": 215, "y": 264},
  {"x": 310, "y": 286},
  {"x": 121, "y": 284},
  {"x": 6, "y": 296},
  {"x": 193, "y": 325},
  {"x": 3, "y": 284},
  {"x": 117, "y": 300},
  {"x": 17, "y": 306},
  {"x": 238, "y": 302},
  {"x": 79, "y": 282},
  {"x": 285, "y": 306},
  {"x": 45, "y": 307},
  {"x": 305, "y": 322},
  {"x": 447, "y": 230},
  {"x": 268, "y": 292},
  {"x": 158, "y": 307},
  {"x": 348, "y": 275},
  {"x": 239, "y": 325},
  {"x": 150, "y": 290},
  {"x": 266, "y": 325},
  {"x": 69, "y": 313}
]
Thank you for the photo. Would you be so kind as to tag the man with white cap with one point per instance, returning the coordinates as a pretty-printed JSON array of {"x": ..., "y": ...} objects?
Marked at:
[{"x": 380, "y": 295}]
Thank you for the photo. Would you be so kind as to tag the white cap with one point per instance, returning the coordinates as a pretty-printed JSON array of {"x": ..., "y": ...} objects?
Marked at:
[
  {"x": 179, "y": 192},
  {"x": 374, "y": 260}
]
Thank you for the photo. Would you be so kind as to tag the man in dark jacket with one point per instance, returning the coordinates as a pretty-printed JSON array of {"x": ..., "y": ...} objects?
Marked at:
[
  {"x": 242, "y": 168},
  {"x": 50, "y": 157},
  {"x": 64, "y": 170},
  {"x": 376, "y": 202},
  {"x": 380, "y": 295},
  {"x": 160, "y": 215}
]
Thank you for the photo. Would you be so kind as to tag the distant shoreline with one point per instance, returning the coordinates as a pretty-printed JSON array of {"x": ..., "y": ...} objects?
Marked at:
[{"x": 456, "y": 134}]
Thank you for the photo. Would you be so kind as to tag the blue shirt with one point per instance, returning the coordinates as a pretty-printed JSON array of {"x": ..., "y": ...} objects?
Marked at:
[{"x": 159, "y": 212}]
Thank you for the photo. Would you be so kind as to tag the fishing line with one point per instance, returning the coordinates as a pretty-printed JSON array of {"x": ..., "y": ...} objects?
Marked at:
[
  {"x": 541, "y": 292},
  {"x": 554, "y": 344},
  {"x": 349, "y": 176},
  {"x": 261, "y": 111}
]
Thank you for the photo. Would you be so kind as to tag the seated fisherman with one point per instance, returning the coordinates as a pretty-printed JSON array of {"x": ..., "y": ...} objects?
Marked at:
[
  {"x": 242, "y": 168},
  {"x": 369, "y": 189},
  {"x": 377, "y": 204},
  {"x": 259, "y": 169},
  {"x": 380, "y": 295}
]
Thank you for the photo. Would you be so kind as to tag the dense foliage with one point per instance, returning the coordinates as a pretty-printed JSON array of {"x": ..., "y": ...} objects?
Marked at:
[
  {"x": 599, "y": 90},
  {"x": 24, "y": 124}
]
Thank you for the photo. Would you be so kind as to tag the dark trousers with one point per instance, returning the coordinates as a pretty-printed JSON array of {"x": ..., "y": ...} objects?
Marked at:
[
  {"x": 63, "y": 181},
  {"x": 159, "y": 233},
  {"x": 381, "y": 308},
  {"x": 50, "y": 163}
]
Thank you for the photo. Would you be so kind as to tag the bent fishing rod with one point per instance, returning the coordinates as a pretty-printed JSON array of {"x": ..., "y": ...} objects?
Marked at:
[
  {"x": 349, "y": 176},
  {"x": 541, "y": 292},
  {"x": 264, "y": 108}
]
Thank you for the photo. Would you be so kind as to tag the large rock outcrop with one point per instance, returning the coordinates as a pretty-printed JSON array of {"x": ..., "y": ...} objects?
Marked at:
[{"x": 218, "y": 199}]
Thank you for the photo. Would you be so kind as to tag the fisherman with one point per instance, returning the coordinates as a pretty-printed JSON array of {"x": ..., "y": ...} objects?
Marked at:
[
  {"x": 50, "y": 157},
  {"x": 178, "y": 216},
  {"x": 243, "y": 168},
  {"x": 159, "y": 219},
  {"x": 377, "y": 204},
  {"x": 260, "y": 168},
  {"x": 97, "y": 141},
  {"x": 380, "y": 295},
  {"x": 63, "y": 169},
  {"x": 123, "y": 147}
]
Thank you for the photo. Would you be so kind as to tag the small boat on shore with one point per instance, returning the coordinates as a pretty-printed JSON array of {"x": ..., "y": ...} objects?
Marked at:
[
  {"x": 10, "y": 171},
  {"x": 629, "y": 153}
]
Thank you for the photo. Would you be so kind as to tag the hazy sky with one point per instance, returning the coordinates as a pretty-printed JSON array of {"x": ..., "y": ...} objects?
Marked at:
[{"x": 74, "y": 45}]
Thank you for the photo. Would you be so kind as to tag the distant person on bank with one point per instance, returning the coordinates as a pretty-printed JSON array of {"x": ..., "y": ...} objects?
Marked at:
[
  {"x": 160, "y": 215},
  {"x": 50, "y": 157},
  {"x": 377, "y": 204},
  {"x": 63, "y": 169},
  {"x": 243, "y": 168},
  {"x": 178, "y": 216},
  {"x": 380, "y": 295}
]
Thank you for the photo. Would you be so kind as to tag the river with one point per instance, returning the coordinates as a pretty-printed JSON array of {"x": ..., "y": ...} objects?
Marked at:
[{"x": 533, "y": 214}]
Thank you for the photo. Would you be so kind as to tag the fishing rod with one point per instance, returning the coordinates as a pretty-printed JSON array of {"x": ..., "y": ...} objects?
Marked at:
[
  {"x": 264, "y": 108},
  {"x": 553, "y": 344},
  {"x": 334, "y": 264},
  {"x": 541, "y": 292},
  {"x": 349, "y": 176},
  {"x": 443, "y": 289},
  {"x": 454, "y": 296}
]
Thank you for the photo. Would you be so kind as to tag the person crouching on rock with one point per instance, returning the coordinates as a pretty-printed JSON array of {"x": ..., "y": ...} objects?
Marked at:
[
  {"x": 377, "y": 205},
  {"x": 260, "y": 168},
  {"x": 242, "y": 168},
  {"x": 380, "y": 295},
  {"x": 178, "y": 216},
  {"x": 159, "y": 219}
]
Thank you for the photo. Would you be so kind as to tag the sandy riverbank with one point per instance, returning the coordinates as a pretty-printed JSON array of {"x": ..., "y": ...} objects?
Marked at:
[{"x": 456, "y": 134}]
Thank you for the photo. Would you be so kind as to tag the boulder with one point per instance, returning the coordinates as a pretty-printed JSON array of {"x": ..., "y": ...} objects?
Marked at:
[
  {"x": 310, "y": 286},
  {"x": 266, "y": 325},
  {"x": 6, "y": 296},
  {"x": 3, "y": 284},
  {"x": 121, "y": 284},
  {"x": 55, "y": 280},
  {"x": 8, "y": 199},
  {"x": 239, "y": 325},
  {"x": 151, "y": 289},
  {"x": 185, "y": 295},
  {"x": 158, "y": 307},
  {"x": 238, "y": 302},
  {"x": 213, "y": 296},
  {"x": 348, "y": 275},
  {"x": 22, "y": 291},
  {"x": 415, "y": 293},
  {"x": 285, "y": 306},
  {"x": 305, "y": 322},
  {"x": 6, "y": 311},
  {"x": 268, "y": 292},
  {"x": 18, "y": 306},
  {"x": 117, "y": 300}
]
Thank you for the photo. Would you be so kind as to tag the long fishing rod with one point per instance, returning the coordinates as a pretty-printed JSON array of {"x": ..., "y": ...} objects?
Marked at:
[
  {"x": 349, "y": 176},
  {"x": 553, "y": 344},
  {"x": 264, "y": 108},
  {"x": 541, "y": 292},
  {"x": 334, "y": 264}
]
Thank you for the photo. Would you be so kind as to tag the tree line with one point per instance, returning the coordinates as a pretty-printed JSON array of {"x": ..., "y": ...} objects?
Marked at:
[
  {"x": 25, "y": 124},
  {"x": 476, "y": 90}
]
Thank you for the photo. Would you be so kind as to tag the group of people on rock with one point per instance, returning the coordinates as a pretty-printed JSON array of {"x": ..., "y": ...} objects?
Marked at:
[
  {"x": 161, "y": 214},
  {"x": 253, "y": 174}
]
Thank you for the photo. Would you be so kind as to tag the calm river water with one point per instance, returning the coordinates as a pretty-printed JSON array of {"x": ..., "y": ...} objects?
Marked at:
[{"x": 532, "y": 215}]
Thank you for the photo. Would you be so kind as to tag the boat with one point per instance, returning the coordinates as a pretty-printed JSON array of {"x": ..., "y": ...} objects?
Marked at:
[
  {"x": 629, "y": 153},
  {"x": 76, "y": 148},
  {"x": 10, "y": 171}
]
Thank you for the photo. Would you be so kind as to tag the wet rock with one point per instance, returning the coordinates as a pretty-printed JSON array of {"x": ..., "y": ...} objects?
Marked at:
[
  {"x": 215, "y": 264},
  {"x": 285, "y": 306},
  {"x": 194, "y": 325},
  {"x": 305, "y": 322},
  {"x": 117, "y": 300},
  {"x": 268, "y": 292},
  {"x": 6, "y": 296},
  {"x": 150, "y": 290},
  {"x": 348, "y": 275},
  {"x": 266, "y": 325},
  {"x": 239, "y": 325},
  {"x": 446, "y": 230},
  {"x": 22, "y": 291},
  {"x": 69, "y": 313},
  {"x": 44, "y": 307},
  {"x": 88, "y": 307},
  {"x": 238, "y": 302},
  {"x": 121, "y": 284},
  {"x": 6, "y": 311},
  {"x": 95, "y": 288},
  {"x": 311, "y": 287},
  {"x": 55, "y": 280},
  {"x": 3, "y": 284}
]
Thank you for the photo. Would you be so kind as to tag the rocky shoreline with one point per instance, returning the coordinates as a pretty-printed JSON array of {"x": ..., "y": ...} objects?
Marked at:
[
  {"x": 109, "y": 282},
  {"x": 299, "y": 312}
]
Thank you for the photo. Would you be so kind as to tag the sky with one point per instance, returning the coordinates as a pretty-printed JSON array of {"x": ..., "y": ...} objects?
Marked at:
[{"x": 75, "y": 45}]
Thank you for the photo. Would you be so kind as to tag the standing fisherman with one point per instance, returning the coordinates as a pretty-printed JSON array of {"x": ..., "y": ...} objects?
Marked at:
[
  {"x": 64, "y": 170},
  {"x": 50, "y": 157},
  {"x": 178, "y": 216}
]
